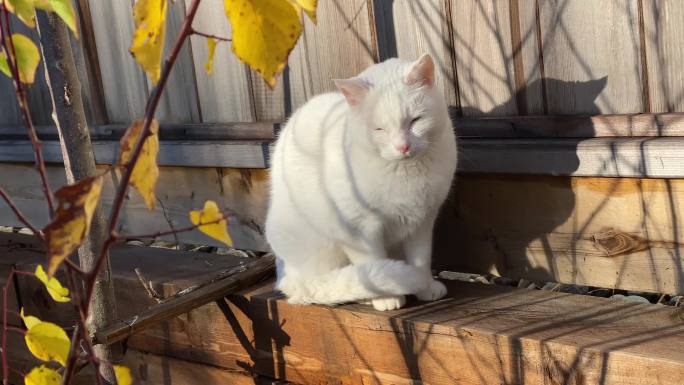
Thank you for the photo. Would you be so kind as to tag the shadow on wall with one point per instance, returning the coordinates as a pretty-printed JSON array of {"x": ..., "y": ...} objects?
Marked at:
[{"x": 490, "y": 220}]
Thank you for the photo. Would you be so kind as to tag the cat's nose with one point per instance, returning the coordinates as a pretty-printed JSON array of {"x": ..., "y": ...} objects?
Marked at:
[{"x": 403, "y": 148}]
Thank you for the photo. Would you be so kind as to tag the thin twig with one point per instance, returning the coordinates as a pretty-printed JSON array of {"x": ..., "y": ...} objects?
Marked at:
[
  {"x": 148, "y": 286},
  {"x": 120, "y": 237},
  {"x": 211, "y": 36},
  {"x": 21, "y": 216},
  {"x": 9, "y": 49}
]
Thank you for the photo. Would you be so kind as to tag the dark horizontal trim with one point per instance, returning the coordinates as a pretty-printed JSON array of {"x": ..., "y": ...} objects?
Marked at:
[
  {"x": 612, "y": 157},
  {"x": 599, "y": 126}
]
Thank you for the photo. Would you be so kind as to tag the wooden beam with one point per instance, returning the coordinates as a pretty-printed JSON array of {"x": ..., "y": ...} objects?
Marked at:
[
  {"x": 189, "y": 299},
  {"x": 479, "y": 334},
  {"x": 606, "y": 157}
]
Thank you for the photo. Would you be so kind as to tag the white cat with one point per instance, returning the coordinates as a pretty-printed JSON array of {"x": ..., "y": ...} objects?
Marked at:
[{"x": 358, "y": 178}]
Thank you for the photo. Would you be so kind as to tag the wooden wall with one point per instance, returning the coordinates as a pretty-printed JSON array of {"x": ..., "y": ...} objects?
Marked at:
[
  {"x": 544, "y": 190},
  {"x": 495, "y": 58}
]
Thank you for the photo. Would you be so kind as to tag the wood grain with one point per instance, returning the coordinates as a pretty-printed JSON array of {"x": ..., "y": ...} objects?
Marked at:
[
  {"x": 483, "y": 53},
  {"x": 179, "y": 102},
  {"x": 124, "y": 83},
  {"x": 591, "y": 56},
  {"x": 408, "y": 29},
  {"x": 315, "y": 61},
  {"x": 607, "y": 232},
  {"x": 490, "y": 334},
  {"x": 224, "y": 95},
  {"x": 664, "y": 54}
]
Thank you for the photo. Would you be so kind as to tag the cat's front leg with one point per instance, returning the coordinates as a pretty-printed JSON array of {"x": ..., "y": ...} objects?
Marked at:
[
  {"x": 418, "y": 251},
  {"x": 367, "y": 252}
]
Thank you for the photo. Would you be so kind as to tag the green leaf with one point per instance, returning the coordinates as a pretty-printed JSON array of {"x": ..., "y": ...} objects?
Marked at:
[
  {"x": 264, "y": 33},
  {"x": 63, "y": 8},
  {"x": 42, "y": 375},
  {"x": 209, "y": 65},
  {"x": 47, "y": 341},
  {"x": 24, "y": 9},
  {"x": 28, "y": 58},
  {"x": 58, "y": 292},
  {"x": 123, "y": 375}
]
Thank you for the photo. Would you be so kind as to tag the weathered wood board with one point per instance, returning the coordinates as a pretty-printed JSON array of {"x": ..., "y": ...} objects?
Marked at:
[
  {"x": 608, "y": 232},
  {"x": 534, "y": 227},
  {"x": 178, "y": 192},
  {"x": 591, "y": 53},
  {"x": 663, "y": 33},
  {"x": 479, "y": 334}
]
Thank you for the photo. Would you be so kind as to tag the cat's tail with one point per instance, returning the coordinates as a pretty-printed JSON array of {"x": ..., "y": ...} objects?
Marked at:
[{"x": 352, "y": 283}]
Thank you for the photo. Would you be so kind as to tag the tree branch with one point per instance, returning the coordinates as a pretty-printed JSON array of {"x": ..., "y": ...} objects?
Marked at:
[
  {"x": 8, "y": 48},
  {"x": 208, "y": 35},
  {"x": 119, "y": 237},
  {"x": 21, "y": 216}
]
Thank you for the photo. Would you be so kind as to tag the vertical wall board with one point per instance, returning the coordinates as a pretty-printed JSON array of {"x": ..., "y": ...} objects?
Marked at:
[
  {"x": 484, "y": 63},
  {"x": 663, "y": 34},
  {"x": 179, "y": 102},
  {"x": 339, "y": 46},
  {"x": 408, "y": 29},
  {"x": 125, "y": 86},
  {"x": 591, "y": 56},
  {"x": 224, "y": 96}
]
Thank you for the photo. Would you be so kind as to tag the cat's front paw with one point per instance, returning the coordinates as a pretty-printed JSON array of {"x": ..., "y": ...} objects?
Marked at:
[
  {"x": 389, "y": 303},
  {"x": 435, "y": 291}
]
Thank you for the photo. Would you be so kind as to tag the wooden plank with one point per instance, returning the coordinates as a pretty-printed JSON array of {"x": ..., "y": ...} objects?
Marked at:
[
  {"x": 125, "y": 86},
  {"x": 609, "y": 157},
  {"x": 581, "y": 40},
  {"x": 178, "y": 191},
  {"x": 483, "y": 53},
  {"x": 179, "y": 102},
  {"x": 607, "y": 232},
  {"x": 407, "y": 29},
  {"x": 664, "y": 54},
  {"x": 206, "y": 292},
  {"x": 224, "y": 96},
  {"x": 491, "y": 334},
  {"x": 626, "y": 125},
  {"x": 315, "y": 62}
]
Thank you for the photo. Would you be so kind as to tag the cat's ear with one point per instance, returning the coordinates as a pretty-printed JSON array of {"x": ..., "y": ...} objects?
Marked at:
[
  {"x": 354, "y": 89},
  {"x": 422, "y": 72}
]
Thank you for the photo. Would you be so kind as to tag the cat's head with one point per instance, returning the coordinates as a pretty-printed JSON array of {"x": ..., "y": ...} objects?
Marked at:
[{"x": 395, "y": 105}]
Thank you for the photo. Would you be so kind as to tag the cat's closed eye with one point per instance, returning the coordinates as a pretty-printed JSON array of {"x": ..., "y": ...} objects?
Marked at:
[
  {"x": 415, "y": 120},
  {"x": 379, "y": 129}
]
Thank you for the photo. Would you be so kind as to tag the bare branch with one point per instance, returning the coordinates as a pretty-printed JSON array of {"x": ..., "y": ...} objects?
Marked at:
[
  {"x": 21, "y": 216},
  {"x": 8, "y": 48},
  {"x": 119, "y": 237},
  {"x": 211, "y": 36}
]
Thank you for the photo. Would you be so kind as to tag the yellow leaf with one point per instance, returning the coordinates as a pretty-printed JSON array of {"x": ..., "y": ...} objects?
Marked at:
[
  {"x": 148, "y": 40},
  {"x": 48, "y": 341},
  {"x": 66, "y": 232},
  {"x": 308, "y": 6},
  {"x": 29, "y": 320},
  {"x": 24, "y": 10},
  {"x": 123, "y": 375},
  {"x": 209, "y": 65},
  {"x": 58, "y": 292},
  {"x": 42, "y": 375},
  {"x": 145, "y": 172},
  {"x": 218, "y": 229},
  {"x": 63, "y": 8},
  {"x": 264, "y": 33},
  {"x": 28, "y": 58}
]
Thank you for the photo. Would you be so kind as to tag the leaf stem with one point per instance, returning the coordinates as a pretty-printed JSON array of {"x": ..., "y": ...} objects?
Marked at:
[{"x": 209, "y": 35}]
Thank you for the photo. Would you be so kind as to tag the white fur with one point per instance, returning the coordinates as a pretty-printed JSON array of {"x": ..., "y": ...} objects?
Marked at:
[{"x": 351, "y": 215}]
